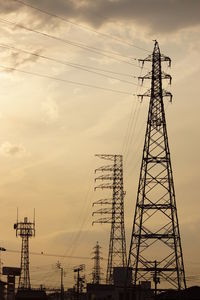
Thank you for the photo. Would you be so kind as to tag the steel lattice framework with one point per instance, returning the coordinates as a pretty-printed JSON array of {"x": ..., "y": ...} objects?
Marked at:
[
  {"x": 112, "y": 211},
  {"x": 96, "y": 274},
  {"x": 25, "y": 230},
  {"x": 155, "y": 236}
]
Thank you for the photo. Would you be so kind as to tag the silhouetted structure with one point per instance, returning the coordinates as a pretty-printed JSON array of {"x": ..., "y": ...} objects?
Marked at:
[
  {"x": 80, "y": 281},
  {"x": 113, "y": 211},
  {"x": 25, "y": 230},
  {"x": 11, "y": 273},
  {"x": 59, "y": 266},
  {"x": 155, "y": 234},
  {"x": 29, "y": 294},
  {"x": 2, "y": 249},
  {"x": 115, "y": 291},
  {"x": 96, "y": 274},
  {"x": 191, "y": 293},
  {"x": 2, "y": 290}
]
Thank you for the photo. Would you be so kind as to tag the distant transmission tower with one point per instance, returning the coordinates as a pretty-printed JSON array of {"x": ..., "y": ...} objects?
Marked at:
[
  {"x": 25, "y": 230},
  {"x": 96, "y": 274},
  {"x": 155, "y": 242},
  {"x": 112, "y": 211}
]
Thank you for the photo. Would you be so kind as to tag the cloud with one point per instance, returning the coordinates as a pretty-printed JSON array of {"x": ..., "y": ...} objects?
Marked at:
[
  {"x": 156, "y": 15},
  {"x": 19, "y": 59},
  {"x": 8, "y": 149}
]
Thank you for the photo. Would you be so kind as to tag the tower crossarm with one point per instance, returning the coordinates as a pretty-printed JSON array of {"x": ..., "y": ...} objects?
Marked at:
[
  {"x": 104, "y": 186},
  {"x": 105, "y": 169},
  {"x": 148, "y": 76},
  {"x": 108, "y": 156},
  {"x": 103, "y": 202},
  {"x": 151, "y": 57},
  {"x": 167, "y": 94},
  {"x": 103, "y": 211},
  {"x": 105, "y": 177},
  {"x": 103, "y": 221},
  {"x": 148, "y": 93}
]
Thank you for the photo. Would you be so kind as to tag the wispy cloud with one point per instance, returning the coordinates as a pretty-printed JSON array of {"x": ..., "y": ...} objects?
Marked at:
[{"x": 8, "y": 149}]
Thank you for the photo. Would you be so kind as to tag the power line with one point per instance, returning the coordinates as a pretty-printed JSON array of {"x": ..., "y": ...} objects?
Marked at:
[
  {"x": 65, "y": 80},
  {"x": 88, "y": 67},
  {"x": 131, "y": 124},
  {"x": 82, "y": 46},
  {"x": 86, "y": 202},
  {"x": 77, "y": 66},
  {"x": 52, "y": 255},
  {"x": 82, "y": 26}
]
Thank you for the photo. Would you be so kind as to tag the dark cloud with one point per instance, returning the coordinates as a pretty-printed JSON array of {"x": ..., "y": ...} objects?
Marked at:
[{"x": 155, "y": 15}]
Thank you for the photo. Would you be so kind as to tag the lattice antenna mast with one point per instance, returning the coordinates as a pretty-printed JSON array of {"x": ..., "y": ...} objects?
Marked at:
[
  {"x": 96, "y": 274},
  {"x": 156, "y": 235},
  {"x": 112, "y": 211},
  {"x": 25, "y": 230}
]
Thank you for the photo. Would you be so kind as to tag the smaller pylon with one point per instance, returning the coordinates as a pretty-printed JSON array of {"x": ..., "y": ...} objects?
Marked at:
[
  {"x": 25, "y": 230},
  {"x": 112, "y": 211},
  {"x": 96, "y": 273}
]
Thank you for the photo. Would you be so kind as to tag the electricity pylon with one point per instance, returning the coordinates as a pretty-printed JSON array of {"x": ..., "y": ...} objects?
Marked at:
[
  {"x": 155, "y": 234},
  {"x": 25, "y": 230},
  {"x": 112, "y": 211},
  {"x": 96, "y": 273}
]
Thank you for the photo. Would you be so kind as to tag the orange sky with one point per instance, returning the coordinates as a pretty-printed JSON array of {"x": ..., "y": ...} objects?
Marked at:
[{"x": 50, "y": 130}]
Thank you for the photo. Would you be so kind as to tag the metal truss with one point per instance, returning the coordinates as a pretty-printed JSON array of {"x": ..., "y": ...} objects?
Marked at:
[
  {"x": 25, "y": 230},
  {"x": 96, "y": 273},
  {"x": 112, "y": 211},
  {"x": 155, "y": 235}
]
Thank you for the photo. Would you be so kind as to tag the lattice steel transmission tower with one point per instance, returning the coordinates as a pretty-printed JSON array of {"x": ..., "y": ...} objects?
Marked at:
[
  {"x": 156, "y": 237},
  {"x": 96, "y": 273},
  {"x": 25, "y": 230},
  {"x": 112, "y": 211}
]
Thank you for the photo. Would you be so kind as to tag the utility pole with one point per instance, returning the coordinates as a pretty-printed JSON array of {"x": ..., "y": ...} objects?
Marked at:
[
  {"x": 156, "y": 234},
  {"x": 25, "y": 230},
  {"x": 58, "y": 265},
  {"x": 112, "y": 211},
  {"x": 96, "y": 274}
]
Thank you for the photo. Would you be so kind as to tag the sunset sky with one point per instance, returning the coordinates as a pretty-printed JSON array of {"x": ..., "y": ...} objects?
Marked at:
[{"x": 58, "y": 111}]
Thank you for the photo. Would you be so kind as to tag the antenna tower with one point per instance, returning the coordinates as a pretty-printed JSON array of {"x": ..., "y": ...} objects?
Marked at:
[
  {"x": 25, "y": 230},
  {"x": 155, "y": 235},
  {"x": 112, "y": 211},
  {"x": 96, "y": 274}
]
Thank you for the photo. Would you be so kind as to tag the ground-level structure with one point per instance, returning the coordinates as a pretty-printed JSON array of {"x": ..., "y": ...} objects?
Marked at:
[{"x": 30, "y": 294}]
